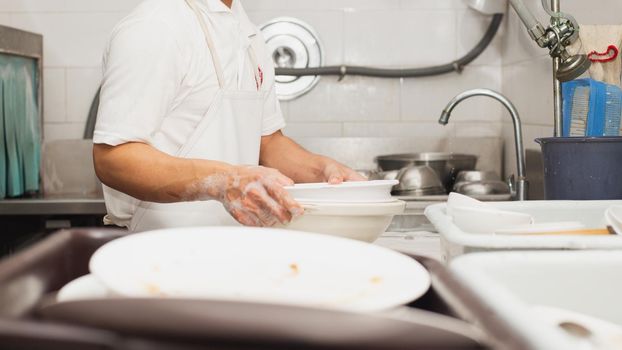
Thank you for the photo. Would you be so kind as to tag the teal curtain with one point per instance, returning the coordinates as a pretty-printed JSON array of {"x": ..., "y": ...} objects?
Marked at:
[
  {"x": 3, "y": 157},
  {"x": 20, "y": 126}
]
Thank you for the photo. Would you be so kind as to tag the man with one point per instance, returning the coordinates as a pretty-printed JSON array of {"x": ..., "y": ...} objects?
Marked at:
[{"x": 188, "y": 111}]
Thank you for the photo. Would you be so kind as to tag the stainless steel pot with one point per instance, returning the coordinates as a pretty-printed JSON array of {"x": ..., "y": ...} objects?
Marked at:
[
  {"x": 446, "y": 165},
  {"x": 482, "y": 188},
  {"x": 476, "y": 175},
  {"x": 418, "y": 180}
]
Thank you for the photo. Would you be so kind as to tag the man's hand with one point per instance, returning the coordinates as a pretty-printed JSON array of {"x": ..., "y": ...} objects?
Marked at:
[
  {"x": 336, "y": 173},
  {"x": 253, "y": 195}
]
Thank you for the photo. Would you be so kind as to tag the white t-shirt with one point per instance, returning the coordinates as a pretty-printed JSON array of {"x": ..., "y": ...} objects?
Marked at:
[{"x": 159, "y": 78}]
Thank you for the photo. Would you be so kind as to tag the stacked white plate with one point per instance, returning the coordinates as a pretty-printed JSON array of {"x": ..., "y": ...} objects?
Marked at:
[
  {"x": 377, "y": 191},
  {"x": 357, "y": 210}
]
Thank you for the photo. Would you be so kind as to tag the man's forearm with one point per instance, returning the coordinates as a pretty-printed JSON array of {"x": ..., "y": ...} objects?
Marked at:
[
  {"x": 280, "y": 152},
  {"x": 253, "y": 195},
  {"x": 148, "y": 174}
]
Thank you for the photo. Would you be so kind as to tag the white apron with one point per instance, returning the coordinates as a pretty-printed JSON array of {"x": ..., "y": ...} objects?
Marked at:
[{"x": 234, "y": 116}]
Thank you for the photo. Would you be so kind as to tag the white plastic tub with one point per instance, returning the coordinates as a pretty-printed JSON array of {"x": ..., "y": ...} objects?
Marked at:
[
  {"x": 512, "y": 283},
  {"x": 455, "y": 242}
]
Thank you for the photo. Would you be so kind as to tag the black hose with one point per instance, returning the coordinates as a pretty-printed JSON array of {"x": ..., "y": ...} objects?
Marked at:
[{"x": 455, "y": 66}]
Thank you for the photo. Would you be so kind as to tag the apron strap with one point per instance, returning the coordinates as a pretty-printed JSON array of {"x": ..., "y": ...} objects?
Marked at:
[{"x": 210, "y": 43}]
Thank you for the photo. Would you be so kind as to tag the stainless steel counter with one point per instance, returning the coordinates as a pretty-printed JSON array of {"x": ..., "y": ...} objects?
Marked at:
[
  {"x": 418, "y": 241},
  {"x": 408, "y": 233},
  {"x": 54, "y": 206},
  {"x": 94, "y": 205}
]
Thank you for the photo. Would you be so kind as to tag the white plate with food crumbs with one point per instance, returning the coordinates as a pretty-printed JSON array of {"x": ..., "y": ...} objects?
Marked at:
[{"x": 259, "y": 265}]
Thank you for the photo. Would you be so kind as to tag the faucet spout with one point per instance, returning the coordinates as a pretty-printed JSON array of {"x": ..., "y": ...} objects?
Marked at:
[
  {"x": 522, "y": 184},
  {"x": 444, "y": 119}
]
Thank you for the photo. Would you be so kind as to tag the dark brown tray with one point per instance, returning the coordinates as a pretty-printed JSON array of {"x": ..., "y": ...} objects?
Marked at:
[{"x": 28, "y": 278}]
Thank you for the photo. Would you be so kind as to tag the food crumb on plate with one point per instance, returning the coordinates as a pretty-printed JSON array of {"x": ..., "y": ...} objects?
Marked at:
[
  {"x": 294, "y": 268},
  {"x": 376, "y": 280},
  {"x": 154, "y": 290}
]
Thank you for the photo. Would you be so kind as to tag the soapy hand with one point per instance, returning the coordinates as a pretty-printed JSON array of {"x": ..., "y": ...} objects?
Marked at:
[
  {"x": 253, "y": 195},
  {"x": 336, "y": 173}
]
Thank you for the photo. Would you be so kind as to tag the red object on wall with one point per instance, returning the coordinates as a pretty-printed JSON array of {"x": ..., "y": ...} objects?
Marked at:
[{"x": 602, "y": 57}]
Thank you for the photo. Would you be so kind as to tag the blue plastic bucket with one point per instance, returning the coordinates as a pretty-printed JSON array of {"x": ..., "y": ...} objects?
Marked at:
[{"x": 582, "y": 168}]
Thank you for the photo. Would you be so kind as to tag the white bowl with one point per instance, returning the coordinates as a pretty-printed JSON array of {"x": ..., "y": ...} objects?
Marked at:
[
  {"x": 488, "y": 221},
  {"x": 360, "y": 221},
  {"x": 347, "y": 192}
]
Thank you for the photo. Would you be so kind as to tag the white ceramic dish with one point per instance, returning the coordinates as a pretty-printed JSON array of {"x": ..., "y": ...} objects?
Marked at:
[
  {"x": 347, "y": 192},
  {"x": 83, "y": 288},
  {"x": 546, "y": 227},
  {"x": 360, "y": 221},
  {"x": 260, "y": 265},
  {"x": 488, "y": 220}
]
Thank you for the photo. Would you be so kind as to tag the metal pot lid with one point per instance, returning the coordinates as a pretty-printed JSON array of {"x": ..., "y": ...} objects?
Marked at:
[{"x": 292, "y": 43}]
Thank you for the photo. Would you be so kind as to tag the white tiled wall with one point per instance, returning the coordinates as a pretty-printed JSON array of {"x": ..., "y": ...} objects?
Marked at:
[
  {"x": 391, "y": 33},
  {"x": 396, "y": 33},
  {"x": 75, "y": 32}
]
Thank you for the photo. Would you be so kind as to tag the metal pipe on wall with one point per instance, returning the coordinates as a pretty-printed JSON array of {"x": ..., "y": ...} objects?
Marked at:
[
  {"x": 455, "y": 66},
  {"x": 557, "y": 87}
]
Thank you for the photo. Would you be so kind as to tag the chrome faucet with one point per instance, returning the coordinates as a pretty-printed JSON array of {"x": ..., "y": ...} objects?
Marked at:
[{"x": 522, "y": 185}]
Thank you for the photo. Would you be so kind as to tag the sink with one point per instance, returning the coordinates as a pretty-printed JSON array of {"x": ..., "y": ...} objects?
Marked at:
[
  {"x": 511, "y": 283},
  {"x": 410, "y": 223},
  {"x": 413, "y": 218}
]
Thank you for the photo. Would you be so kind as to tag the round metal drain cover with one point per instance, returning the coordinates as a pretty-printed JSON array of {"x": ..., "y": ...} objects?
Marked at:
[{"x": 293, "y": 44}]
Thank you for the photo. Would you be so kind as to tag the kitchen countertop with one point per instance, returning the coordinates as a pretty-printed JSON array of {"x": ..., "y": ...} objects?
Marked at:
[
  {"x": 81, "y": 204},
  {"x": 54, "y": 205},
  {"x": 419, "y": 242}
]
